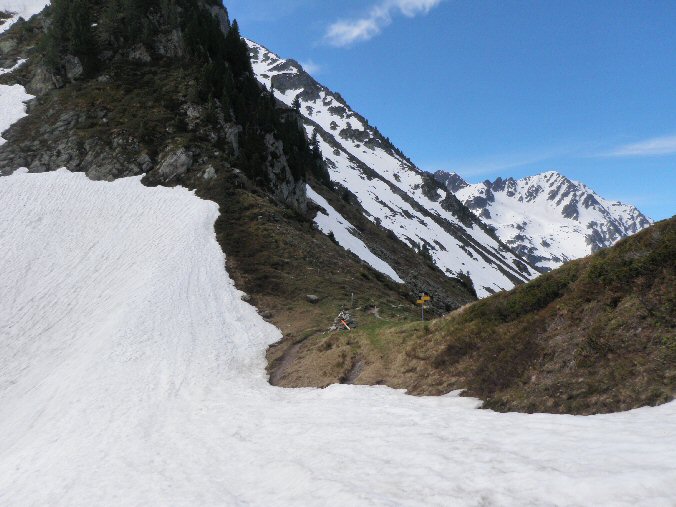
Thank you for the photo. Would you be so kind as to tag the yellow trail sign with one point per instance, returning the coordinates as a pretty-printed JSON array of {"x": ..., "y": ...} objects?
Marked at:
[
  {"x": 425, "y": 298},
  {"x": 421, "y": 301}
]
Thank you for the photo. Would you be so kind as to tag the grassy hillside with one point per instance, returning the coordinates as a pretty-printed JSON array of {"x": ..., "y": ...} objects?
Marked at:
[{"x": 597, "y": 335}]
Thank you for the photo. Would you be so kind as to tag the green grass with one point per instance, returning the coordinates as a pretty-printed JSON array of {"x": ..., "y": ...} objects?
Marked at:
[{"x": 597, "y": 335}]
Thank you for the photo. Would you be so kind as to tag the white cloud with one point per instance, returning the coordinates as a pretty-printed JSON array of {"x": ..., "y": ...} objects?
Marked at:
[
  {"x": 347, "y": 32},
  {"x": 311, "y": 67},
  {"x": 665, "y": 145}
]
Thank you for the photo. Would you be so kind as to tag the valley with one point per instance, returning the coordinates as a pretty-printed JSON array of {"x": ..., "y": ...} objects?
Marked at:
[{"x": 211, "y": 271}]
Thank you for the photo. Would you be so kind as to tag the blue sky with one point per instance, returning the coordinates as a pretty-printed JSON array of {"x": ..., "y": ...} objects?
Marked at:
[{"x": 492, "y": 88}]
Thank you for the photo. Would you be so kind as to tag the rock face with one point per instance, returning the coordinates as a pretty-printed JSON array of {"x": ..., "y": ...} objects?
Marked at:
[
  {"x": 284, "y": 186},
  {"x": 174, "y": 162},
  {"x": 115, "y": 135},
  {"x": 221, "y": 14},
  {"x": 120, "y": 156},
  {"x": 452, "y": 181},
  {"x": 547, "y": 218},
  {"x": 387, "y": 188}
]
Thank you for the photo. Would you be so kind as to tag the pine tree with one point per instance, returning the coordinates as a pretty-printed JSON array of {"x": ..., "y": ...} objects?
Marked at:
[
  {"x": 237, "y": 52},
  {"x": 426, "y": 253},
  {"x": 82, "y": 42},
  {"x": 314, "y": 144},
  {"x": 71, "y": 32},
  {"x": 296, "y": 103}
]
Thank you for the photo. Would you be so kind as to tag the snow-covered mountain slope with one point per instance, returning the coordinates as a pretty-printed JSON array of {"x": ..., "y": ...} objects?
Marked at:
[
  {"x": 548, "y": 219},
  {"x": 391, "y": 190},
  {"x": 19, "y": 9},
  {"x": 132, "y": 373},
  {"x": 330, "y": 221}
]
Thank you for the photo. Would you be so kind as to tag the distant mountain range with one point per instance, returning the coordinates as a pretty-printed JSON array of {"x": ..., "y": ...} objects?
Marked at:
[{"x": 548, "y": 219}]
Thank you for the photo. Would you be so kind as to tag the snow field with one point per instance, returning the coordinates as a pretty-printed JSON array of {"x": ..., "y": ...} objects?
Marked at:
[{"x": 131, "y": 373}]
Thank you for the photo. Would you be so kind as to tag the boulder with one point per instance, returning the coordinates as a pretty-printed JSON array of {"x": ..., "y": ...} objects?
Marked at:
[
  {"x": 210, "y": 174},
  {"x": 73, "y": 67},
  {"x": 42, "y": 81},
  {"x": 138, "y": 53},
  {"x": 174, "y": 163}
]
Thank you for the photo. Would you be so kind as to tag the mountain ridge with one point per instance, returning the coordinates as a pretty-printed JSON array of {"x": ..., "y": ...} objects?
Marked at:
[
  {"x": 547, "y": 218},
  {"x": 391, "y": 191}
]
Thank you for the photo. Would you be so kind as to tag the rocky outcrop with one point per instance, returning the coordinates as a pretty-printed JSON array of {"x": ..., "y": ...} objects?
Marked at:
[
  {"x": 174, "y": 162},
  {"x": 284, "y": 186},
  {"x": 452, "y": 181},
  {"x": 169, "y": 133},
  {"x": 221, "y": 14}
]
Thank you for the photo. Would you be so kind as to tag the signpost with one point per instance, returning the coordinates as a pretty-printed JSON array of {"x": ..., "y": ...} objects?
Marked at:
[{"x": 424, "y": 298}]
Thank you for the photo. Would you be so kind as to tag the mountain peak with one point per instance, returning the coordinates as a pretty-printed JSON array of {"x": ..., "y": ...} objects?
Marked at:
[
  {"x": 550, "y": 174},
  {"x": 548, "y": 218},
  {"x": 451, "y": 180}
]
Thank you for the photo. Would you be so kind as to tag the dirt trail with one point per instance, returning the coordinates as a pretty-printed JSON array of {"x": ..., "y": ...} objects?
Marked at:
[
  {"x": 278, "y": 369},
  {"x": 352, "y": 375}
]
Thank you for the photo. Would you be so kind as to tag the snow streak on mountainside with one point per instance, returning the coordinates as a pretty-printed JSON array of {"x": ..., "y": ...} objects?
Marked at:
[
  {"x": 12, "y": 105},
  {"x": 547, "y": 219},
  {"x": 19, "y": 9},
  {"x": 331, "y": 222},
  {"x": 132, "y": 373},
  {"x": 13, "y": 98},
  {"x": 391, "y": 190}
]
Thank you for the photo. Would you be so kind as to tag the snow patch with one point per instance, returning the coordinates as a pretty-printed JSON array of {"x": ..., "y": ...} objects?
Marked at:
[
  {"x": 22, "y": 8},
  {"x": 12, "y": 106},
  {"x": 9, "y": 70},
  {"x": 333, "y": 222}
]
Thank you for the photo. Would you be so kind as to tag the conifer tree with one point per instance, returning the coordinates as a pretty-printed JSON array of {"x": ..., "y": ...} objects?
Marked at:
[
  {"x": 71, "y": 32},
  {"x": 314, "y": 144},
  {"x": 236, "y": 52},
  {"x": 82, "y": 42}
]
